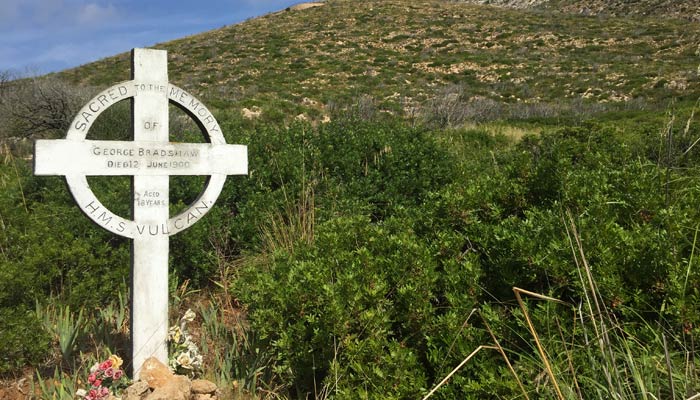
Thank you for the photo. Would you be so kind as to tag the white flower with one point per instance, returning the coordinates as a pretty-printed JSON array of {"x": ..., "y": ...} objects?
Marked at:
[
  {"x": 192, "y": 348},
  {"x": 175, "y": 334},
  {"x": 198, "y": 361},
  {"x": 184, "y": 360},
  {"x": 189, "y": 315},
  {"x": 81, "y": 393}
]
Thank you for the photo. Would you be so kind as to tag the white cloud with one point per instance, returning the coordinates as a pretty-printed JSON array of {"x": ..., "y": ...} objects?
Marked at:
[
  {"x": 56, "y": 34},
  {"x": 92, "y": 13},
  {"x": 53, "y": 15}
]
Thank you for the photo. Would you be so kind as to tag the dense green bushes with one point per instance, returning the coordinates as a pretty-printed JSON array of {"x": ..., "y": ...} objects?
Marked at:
[
  {"x": 48, "y": 247},
  {"x": 505, "y": 222},
  {"x": 364, "y": 247},
  {"x": 23, "y": 340},
  {"x": 353, "y": 304}
]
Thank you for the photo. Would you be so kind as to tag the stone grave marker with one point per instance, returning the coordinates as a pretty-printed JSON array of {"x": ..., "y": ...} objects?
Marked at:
[{"x": 150, "y": 158}]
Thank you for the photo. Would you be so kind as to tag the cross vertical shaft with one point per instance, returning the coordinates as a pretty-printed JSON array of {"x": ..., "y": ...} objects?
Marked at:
[
  {"x": 149, "y": 292},
  {"x": 150, "y": 158}
]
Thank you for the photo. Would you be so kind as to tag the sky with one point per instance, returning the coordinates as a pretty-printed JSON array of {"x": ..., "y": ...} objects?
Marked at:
[{"x": 41, "y": 36}]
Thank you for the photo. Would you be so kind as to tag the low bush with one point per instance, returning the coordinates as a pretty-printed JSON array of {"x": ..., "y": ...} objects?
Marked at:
[
  {"x": 23, "y": 340},
  {"x": 353, "y": 305},
  {"x": 334, "y": 307}
]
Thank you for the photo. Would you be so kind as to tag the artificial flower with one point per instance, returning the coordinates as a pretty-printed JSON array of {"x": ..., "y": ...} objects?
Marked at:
[
  {"x": 175, "y": 334},
  {"x": 106, "y": 364},
  {"x": 184, "y": 360},
  {"x": 189, "y": 315},
  {"x": 116, "y": 361}
]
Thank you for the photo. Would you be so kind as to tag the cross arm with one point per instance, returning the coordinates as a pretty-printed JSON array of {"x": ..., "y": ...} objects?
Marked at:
[{"x": 113, "y": 158}]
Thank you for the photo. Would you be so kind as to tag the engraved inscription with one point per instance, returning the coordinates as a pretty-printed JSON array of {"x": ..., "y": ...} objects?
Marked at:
[
  {"x": 150, "y": 198},
  {"x": 76, "y": 157},
  {"x": 103, "y": 217},
  {"x": 150, "y": 125},
  {"x": 149, "y": 87},
  {"x": 97, "y": 105},
  {"x": 135, "y": 158}
]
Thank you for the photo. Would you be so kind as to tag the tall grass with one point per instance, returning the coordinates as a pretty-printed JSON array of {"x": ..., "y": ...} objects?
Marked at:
[
  {"x": 293, "y": 225},
  {"x": 594, "y": 355},
  {"x": 59, "y": 386},
  {"x": 65, "y": 326},
  {"x": 235, "y": 360}
]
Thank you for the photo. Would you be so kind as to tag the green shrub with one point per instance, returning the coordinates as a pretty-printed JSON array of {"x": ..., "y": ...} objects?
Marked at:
[
  {"x": 499, "y": 220},
  {"x": 23, "y": 340},
  {"x": 49, "y": 247},
  {"x": 353, "y": 167},
  {"x": 352, "y": 305}
]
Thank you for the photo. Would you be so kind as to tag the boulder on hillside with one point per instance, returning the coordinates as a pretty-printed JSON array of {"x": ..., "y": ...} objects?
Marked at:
[{"x": 159, "y": 383}]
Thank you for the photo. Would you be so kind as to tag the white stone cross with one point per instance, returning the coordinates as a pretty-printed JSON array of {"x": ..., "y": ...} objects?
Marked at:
[{"x": 150, "y": 158}]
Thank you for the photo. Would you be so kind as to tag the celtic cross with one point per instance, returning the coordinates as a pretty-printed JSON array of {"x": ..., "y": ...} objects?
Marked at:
[{"x": 151, "y": 159}]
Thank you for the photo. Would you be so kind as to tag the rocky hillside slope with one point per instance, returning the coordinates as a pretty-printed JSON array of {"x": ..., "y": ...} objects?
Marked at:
[
  {"x": 407, "y": 56},
  {"x": 679, "y": 9}
]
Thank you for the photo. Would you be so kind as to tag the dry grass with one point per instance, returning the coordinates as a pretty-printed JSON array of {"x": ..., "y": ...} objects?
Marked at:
[
  {"x": 616, "y": 358},
  {"x": 403, "y": 53}
]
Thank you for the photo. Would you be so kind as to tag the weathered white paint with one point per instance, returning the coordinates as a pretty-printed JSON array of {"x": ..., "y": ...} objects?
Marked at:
[
  {"x": 151, "y": 159},
  {"x": 65, "y": 157},
  {"x": 149, "y": 254}
]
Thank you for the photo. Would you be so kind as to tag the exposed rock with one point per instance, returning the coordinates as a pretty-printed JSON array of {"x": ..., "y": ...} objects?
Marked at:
[
  {"x": 309, "y": 102},
  {"x": 304, "y": 6},
  {"x": 177, "y": 388},
  {"x": 252, "y": 113},
  {"x": 135, "y": 391},
  {"x": 155, "y": 373},
  {"x": 203, "y": 386},
  {"x": 509, "y": 3},
  {"x": 679, "y": 9}
]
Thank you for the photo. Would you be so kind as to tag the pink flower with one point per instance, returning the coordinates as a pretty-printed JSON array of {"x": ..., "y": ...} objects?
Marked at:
[
  {"x": 92, "y": 393},
  {"x": 104, "y": 392},
  {"x": 109, "y": 372},
  {"x": 97, "y": 383},
  {"x": 118, "y": 374},
  {"x": 91, "y": 378},
  {"x": 106, "y": 365}
]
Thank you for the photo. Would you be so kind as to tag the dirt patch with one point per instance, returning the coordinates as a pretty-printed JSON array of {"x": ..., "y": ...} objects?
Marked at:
[
  {"x": 304, "y": 6},
  {"x": 16, "y": 390}
]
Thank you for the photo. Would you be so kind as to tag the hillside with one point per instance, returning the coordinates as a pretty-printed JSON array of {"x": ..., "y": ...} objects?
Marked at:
[
  {"x": 404, "y": 57},
  {"x": 502, "y": 199},
  {"x": 678, "y": 9}
]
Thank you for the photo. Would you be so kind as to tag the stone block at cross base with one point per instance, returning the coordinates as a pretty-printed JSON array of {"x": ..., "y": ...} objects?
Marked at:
[
  {"x": 178, "y": 387},
  {"x": 203, "y": 386},
  {"x": 136, "y": 391},
  {"x": 155, "y": 373}
]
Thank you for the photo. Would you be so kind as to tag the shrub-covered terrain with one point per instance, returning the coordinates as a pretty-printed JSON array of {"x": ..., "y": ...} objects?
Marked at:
[
  {"x": 499, "y": 204},
  {"x": 406, "y": 57}
]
